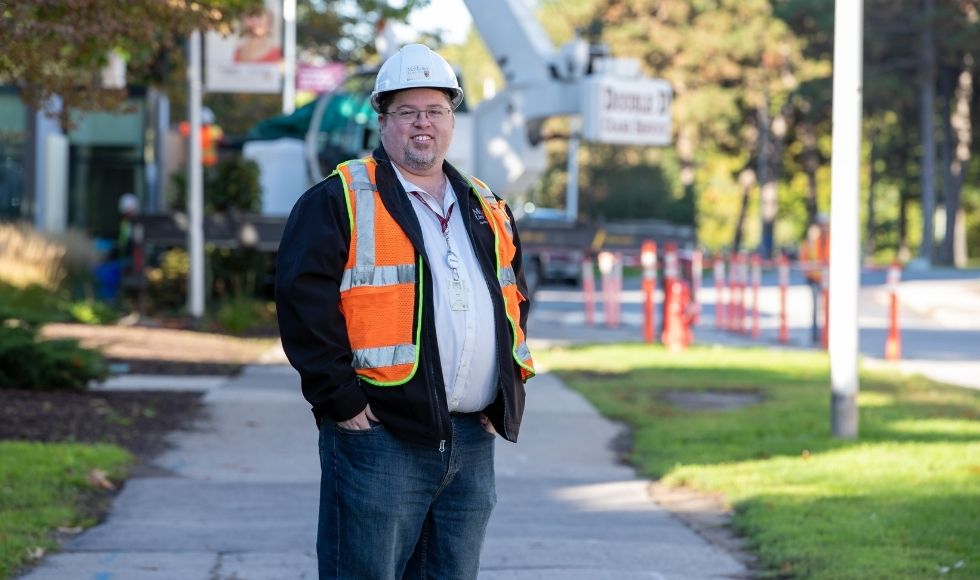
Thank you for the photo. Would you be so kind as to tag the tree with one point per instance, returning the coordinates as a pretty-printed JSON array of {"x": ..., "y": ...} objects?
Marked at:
[
  {"x": 958, "y": 60},
  {"x": 59, "y": 47},
  {"x": 734, "y": 67}
]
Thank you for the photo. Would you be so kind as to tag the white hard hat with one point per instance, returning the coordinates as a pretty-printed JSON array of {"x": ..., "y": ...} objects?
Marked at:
[
  {"x": 415, "y": 66},
  {"x": 128, "y": 203}
]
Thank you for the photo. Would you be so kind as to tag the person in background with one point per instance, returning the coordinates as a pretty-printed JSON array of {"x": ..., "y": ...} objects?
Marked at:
[
  {"x": 814, "y": 257},
  {"x": 401, "y": 302},
  {"x": 129, "y": 208}
]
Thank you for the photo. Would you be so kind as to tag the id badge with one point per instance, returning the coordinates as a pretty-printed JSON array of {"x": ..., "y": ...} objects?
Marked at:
[{"x": 457, "y": 295}]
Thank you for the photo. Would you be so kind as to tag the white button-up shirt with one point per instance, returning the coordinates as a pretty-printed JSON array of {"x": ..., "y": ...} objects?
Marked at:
[{"x": 467, "y": 338}]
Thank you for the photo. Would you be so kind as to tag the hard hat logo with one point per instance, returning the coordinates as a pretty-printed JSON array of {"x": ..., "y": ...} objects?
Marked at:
[
  {"x": 416, "y": 66},
  {"x": 414, "y": 73}
]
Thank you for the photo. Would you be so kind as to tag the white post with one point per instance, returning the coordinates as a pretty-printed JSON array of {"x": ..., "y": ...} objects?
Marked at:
[
  {"x": 195, "y": 182},
  {"x": 289, "y": 56},
  {"x": 844, "y": 227},
  {"x": 571, "y": 189}
]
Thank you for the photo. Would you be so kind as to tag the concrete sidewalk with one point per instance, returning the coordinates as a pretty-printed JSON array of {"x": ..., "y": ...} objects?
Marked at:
[{"x": 236, "y": 499}]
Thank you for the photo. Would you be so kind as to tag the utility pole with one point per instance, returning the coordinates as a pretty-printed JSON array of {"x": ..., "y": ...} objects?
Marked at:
[
  {"x": 844, "y": 221},
  {"x": 289, "y": 56},
  {"x": 927, "y": 98},
  {"x": 195, "y": 181},
  {"x": 571, "y": 188}
]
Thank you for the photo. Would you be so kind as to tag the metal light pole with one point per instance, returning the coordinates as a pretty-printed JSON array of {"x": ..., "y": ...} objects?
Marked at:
[
  {"x": 571, "y": 187},
  {"x": 195, "y": 182},
  {"x": 289, "y": 56},
  {"x": 844, "y": 227}
]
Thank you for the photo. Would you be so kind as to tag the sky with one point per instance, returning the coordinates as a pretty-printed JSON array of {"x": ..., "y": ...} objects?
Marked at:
[{"x": 449, "y": 15}]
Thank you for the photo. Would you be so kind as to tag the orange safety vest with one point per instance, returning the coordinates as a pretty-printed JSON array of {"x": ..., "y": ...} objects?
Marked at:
[
  {"x": 381, "y": 289},
  {"x": 815, "y": 254}
]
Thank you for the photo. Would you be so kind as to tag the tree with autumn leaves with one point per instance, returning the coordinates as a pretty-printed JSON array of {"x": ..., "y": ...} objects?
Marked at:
[
  {"x": 752, "y": 118},
  {"x": 60, "y": 47}
]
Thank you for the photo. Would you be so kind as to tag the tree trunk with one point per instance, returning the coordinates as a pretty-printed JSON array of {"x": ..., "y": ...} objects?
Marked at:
[
  {"x": 870, "y": 244},
  {"x": 811, "y": 163},
  {"x": 746, "y": 179},
  {"x": 767, "y": 185},
  {"x": 685, "y": 151},
  {"x": 927, "y": 89},
  {"x": 770, "y": 193},
  {"x": 958, "y": 141},
  {"x": 902, "y": 251},
  {"x": 946, "y": 75}
]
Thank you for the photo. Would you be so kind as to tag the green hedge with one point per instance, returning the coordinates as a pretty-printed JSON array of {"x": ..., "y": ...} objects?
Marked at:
[{"x": 26, "y": 362}]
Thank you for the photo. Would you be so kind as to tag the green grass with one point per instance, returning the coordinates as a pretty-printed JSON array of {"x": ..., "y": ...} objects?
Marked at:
[
  {"x": 41, "y": 488},
  {"x": 902, "y": 501}
]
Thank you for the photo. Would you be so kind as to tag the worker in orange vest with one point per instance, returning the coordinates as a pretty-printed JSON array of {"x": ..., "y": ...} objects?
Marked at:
[
  {"x": 814, "y": 259},
  {"x": 401, "y": 302}
]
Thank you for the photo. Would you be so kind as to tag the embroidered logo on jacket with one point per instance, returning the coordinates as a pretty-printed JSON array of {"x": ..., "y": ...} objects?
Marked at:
[{"x": 478, "y": 214}]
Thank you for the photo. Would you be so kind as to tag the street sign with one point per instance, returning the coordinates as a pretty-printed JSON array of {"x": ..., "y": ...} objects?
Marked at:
[{"x": 626, "y": 111}]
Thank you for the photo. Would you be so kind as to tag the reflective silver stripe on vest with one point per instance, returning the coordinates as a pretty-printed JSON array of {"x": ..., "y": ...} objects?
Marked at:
[
  {"x": 385, "y": 356},
  {"x": 491, "y": 200},
  {"x": 507, "y": 276},
  {"x": 364, "y": 193},
  {"x": 364, "y": 272},
  {"x": 380, "y": 276},
  {"x": 523, "y": 352}
]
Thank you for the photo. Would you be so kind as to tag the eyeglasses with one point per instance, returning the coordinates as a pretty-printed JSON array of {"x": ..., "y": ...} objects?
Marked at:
[{"x": 409, "y": 116}]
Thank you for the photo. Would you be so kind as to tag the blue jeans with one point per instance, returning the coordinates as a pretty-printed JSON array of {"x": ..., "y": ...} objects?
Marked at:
[{"x": 390, "y": 509}]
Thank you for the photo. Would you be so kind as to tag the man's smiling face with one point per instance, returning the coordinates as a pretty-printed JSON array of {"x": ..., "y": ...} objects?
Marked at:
[{"x": 418, "y": 146}]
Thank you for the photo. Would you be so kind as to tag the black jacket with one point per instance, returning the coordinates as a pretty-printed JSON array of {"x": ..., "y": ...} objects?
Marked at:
[{"x": 312, "y": 254}]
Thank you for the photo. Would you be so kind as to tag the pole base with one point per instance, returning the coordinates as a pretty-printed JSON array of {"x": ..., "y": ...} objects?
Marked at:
[{"x": 844, "y": 416}]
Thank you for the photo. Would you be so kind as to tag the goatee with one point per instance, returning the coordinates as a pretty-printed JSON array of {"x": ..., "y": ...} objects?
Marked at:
[{"x": 418, "y": 160}]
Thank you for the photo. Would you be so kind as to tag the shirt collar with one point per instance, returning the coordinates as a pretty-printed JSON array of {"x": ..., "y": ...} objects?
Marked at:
[{"x": 448, "y": 199}]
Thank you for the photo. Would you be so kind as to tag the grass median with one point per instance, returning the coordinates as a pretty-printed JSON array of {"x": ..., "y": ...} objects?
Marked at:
[
  {"x": 901, "y": 501},
  {"x": 47, "y": 487}
]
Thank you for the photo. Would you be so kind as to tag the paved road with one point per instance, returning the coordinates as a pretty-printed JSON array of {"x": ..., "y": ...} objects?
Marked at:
[{"x": 940, "y": 320}]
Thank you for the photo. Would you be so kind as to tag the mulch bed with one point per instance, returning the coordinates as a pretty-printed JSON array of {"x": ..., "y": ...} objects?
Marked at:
[
  {"x": 136, "y": 420},
  {"x": 171, "y": 367}
]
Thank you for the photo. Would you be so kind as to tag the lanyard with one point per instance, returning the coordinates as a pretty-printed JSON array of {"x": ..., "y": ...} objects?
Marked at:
[
  {"x": 451, "y": 257},
  {"x": 443, "y": 221}
]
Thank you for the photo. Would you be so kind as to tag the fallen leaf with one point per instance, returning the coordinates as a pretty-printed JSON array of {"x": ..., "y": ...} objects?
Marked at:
[
  {"x": 100, "y": 479},
  {"x": 74, "y": 530}
]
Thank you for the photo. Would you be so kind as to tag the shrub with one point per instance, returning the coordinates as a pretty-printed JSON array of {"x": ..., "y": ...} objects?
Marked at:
[
  {"x": 232, "y": 184},
  {"x": 167, "y": 289},
  {"x": 34, "y": 305},
  {"x": 91, "y": 312},
  {"x": 45, "y": 365},
  {"x": 241, "y": 315}
]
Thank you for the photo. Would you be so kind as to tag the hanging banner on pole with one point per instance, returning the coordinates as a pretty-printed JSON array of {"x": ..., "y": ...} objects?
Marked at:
[{"x": 250, "y": 59}]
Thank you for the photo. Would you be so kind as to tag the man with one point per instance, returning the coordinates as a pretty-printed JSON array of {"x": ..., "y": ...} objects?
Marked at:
[
  {"x": 401, "y": 304},
  {"x": 814, "y": 257}
]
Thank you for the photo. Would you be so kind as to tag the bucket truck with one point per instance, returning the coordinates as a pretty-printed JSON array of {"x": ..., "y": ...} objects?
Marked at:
[{"x": 499, "y": 141}]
